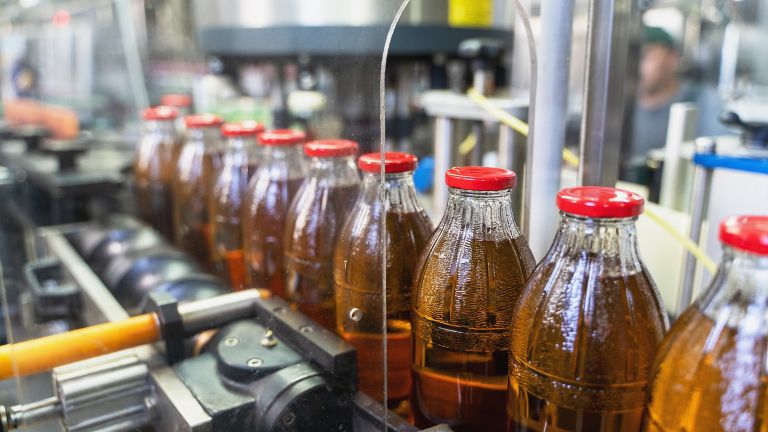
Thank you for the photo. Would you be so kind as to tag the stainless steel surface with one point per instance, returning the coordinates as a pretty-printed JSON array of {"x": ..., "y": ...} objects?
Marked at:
[
  {"x": 702, "y": 182},
  {"x": 444, "y": 153},
  {"x": 19, "y": 416},
  {"x": 104, "y": 393},
  {"x": 442, "y": 103},
  {"x": 216, "y": 311},
  {"x": 272, "y": 13},
  {"x": 544, "y": 153},
  {"x": 675, "y": 176},
  {"x": 612, "y": 23},
  {"x": 176, "y": 407},
  {"x": 512, "y": 156}
]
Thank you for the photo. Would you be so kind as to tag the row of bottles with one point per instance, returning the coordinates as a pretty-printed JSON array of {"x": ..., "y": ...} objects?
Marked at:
[{"x": 478, "y": 335}]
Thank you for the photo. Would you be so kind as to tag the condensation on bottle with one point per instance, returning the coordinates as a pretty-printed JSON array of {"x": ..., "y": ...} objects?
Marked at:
[
  {"x": 270, "y": 193},
  {"x": 589, "y": 322},
  {"x": 229, "y": 193},
  {"x": 198, "y": 163},
  {"x": 471, "y": 275},
  {"x": 154, "y": 167},
  {"x": 358, "y": 279},
  {"x": 313, "y": 224},
  {"x": 710, "y": 373}
]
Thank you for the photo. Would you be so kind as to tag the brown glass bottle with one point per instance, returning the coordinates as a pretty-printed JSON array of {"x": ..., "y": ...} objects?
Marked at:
[
  {"x": 588, "y": 324},
  {"x": 153, "y": 167},
  {"x": 471, "y": 276},
  {"x": 313, "y": 224},
  {"x": 227, "y": 207},
  {"x": 710, "y": 373},
  {"x": 199, "y": 161},
  {"x": 270, "y": 193},
  {"x": 357, "y": 273}
]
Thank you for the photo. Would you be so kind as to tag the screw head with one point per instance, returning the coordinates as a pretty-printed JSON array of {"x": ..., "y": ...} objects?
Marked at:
[
  {"x": 255, "y": 362},
  {"x": 231, "y": 341},
  {"x": 289, "y": 419},
  {"x": 355, "y": 314},
  {"x": 306, "y": 329},
  {"x": 268, "y": 340}
]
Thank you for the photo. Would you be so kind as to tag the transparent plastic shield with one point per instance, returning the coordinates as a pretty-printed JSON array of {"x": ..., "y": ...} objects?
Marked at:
[{"x": 177, "y": 345}]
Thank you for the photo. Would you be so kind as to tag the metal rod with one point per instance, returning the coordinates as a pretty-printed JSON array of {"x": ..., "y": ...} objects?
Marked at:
[
  {"x": 217, "y": 311},
  {"x": 443, "y": 159},
  {"x": 702, "y": 181},
  {"x": 611, "y": 25},
  {"x": 27, "y": 414},
  {"x": 544, "y": 153}
]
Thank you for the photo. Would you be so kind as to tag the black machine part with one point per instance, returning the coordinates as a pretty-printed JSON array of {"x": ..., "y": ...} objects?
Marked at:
[
  {"x": 752, "y": 134},
  {"x": 121, "y": 241},
  {"x": 54, "y": 296},
  {"x": 250, "y": 379}
]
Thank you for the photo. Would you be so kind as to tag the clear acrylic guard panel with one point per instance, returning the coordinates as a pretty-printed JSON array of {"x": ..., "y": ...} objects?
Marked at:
[{"x": 76, "y": 252}]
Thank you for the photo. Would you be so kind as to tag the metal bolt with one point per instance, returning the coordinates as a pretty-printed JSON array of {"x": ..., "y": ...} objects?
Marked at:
[
  {"x": 279, "y": 310},
  {"x": 255, "y": 362},
  {"x": 289, "y": 419},
  {"x": 231, "y": 341},
  {"x": 355, "y": 314},
  {"x": 306, "y": 329},
  {"x": 268, "y": 340}
]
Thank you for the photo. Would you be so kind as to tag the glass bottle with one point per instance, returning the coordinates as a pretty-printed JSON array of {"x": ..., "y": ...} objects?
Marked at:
[
  {"x": 710, "y": 372},
  {"x": 153, "y": 169},
  {"x": 357, "y": 272},
  {"x": 588, "y": 324},
  {"x": 312, "y": 226},
  {"x": 198, "y": 163},
  {"x": 227, "y": 200},
  {"x": 182, "y": 103},
  {"x": 469, "y": 280},
  {"x": 269, "y": 196}
]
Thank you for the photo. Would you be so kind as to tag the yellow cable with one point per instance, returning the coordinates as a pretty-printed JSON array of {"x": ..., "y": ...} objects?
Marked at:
[
  {"x": 513, "y": 122},
  {"x": 690, "y": 246},
  {"x": 572, "y": 158},
  {"x": 468, "y": 144}
]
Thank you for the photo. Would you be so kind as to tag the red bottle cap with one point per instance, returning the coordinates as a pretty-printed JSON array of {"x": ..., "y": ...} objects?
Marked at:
[
  {"x": 160, "y": 113},
  {"x": 600, "y": 202},
  {"x": 394, "y": 162},
  {"x": 202, "y": 120},
  {"x": 176, "y": 100},
  {"x": 330, "y": 148},
  {"x": 748, "y": 233},
  {"x": 478, "y": 178},
  {"x": 282, "y": 137},
  {"x": 242, "y": 129}
]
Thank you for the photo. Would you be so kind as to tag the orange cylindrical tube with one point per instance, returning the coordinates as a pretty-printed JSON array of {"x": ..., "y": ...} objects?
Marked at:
[{"x": 38, "y": 355}]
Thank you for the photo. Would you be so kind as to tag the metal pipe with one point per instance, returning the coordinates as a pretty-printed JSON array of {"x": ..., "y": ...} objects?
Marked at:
[
  {"x": 19, "y": 416},
  {"x": 544, "y": 153},
  {"x": 612, "y": 23},
  {"x": 443, "y": 157},
  {"x": 217, "y": 311},
  {"x": 702, "y": 182}
]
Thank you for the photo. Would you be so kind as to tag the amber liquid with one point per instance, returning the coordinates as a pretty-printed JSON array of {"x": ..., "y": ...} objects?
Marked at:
[
  {"x": 461, "y": 326},
  {"x": 583, "y": 365},
  {"x": 310, "y": 241},
  {"x": 227, "y": 208},
  {"x": 155, "y": 206},
  {"x": 369, "y": 352},
  {"x": 357, "y": 285},
  {"x": 710, "y": 378},
  {"x": 192, "y": 193},
  {"x": 155, "y": 161},
  {"x": 263, "y": 234}
]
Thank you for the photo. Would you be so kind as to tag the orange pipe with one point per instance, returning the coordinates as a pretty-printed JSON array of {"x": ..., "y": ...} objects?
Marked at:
[{"x": 46, "y": 353}]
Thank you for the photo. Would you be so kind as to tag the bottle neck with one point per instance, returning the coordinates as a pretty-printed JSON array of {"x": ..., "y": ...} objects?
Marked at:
[
  {"x": 491, "y": 210},
  {"x": 399, "y": 191},
  {"x": 283, "y": 152},
  {"x": 610, "y": 241},
  {"x": 742, "y": 277},
  {"x": 238, "y": 149},
  {"x": 208, "y": 137},
  {"x": 165, "y": 127},
  {"x": 334, "y": 171}
]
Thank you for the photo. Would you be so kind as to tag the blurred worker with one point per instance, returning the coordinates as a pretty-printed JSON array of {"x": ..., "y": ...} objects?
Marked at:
[{"x": 660, "y": 85}]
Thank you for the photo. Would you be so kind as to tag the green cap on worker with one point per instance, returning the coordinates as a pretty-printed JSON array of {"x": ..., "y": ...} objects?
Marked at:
[{"x": 658, "y": 36}]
